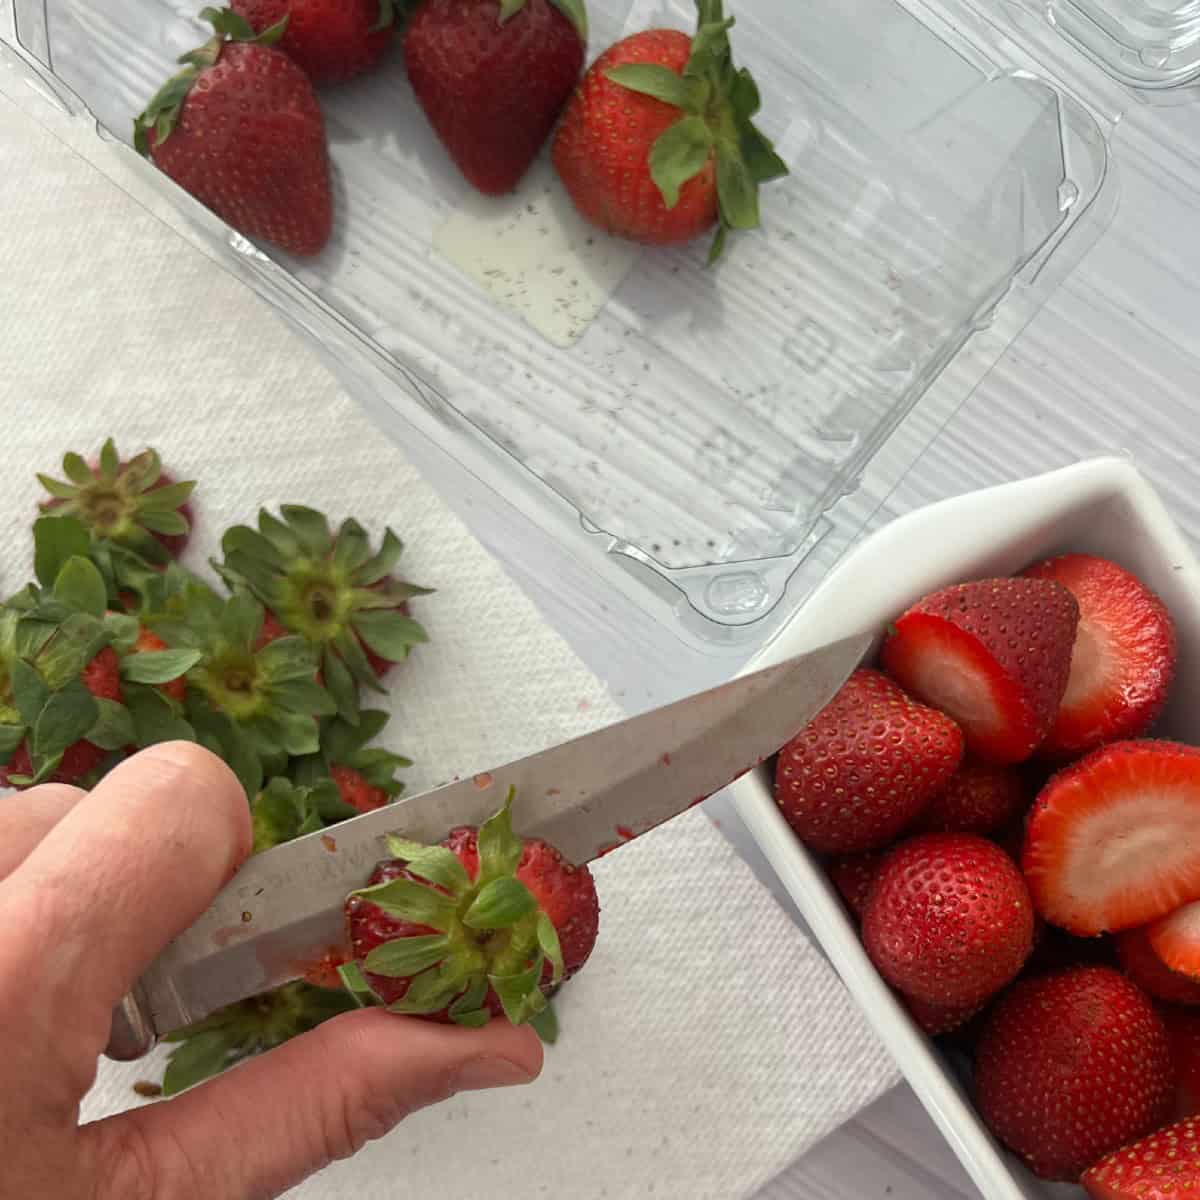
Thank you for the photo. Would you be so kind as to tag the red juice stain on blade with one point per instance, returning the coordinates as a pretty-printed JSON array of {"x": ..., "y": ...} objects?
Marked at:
[
  {"x": 608, "y": 849},
  {"x": 666, "y": 760},
  {"x": 328, "y": 843},
  {"x": 625, "y": 833},
  {"x": 483, "y": 780},
  {"x": 323, "y": 972},
  {"x": 229, "y": 933}
]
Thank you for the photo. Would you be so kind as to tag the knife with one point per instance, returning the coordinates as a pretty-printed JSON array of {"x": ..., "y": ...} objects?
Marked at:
[{"x": 283, "y": 910}]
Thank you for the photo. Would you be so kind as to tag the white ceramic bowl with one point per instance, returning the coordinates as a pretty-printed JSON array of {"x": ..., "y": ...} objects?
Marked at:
[{"x": 1104, "y": 507}]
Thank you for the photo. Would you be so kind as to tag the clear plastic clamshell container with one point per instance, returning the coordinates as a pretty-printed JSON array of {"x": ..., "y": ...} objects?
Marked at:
[{"x": 707, "y": 441}]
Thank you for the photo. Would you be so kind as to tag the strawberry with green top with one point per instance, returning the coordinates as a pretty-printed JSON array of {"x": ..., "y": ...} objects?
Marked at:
[
  {"x": 240, "y": 129},
  {"x": 483, "y": 924},
  {"x": 364, "y": 775},
  {"x": 283, "y": 811},
  {"x": 333, "y": 590},
  {"x": 492, "y": 77},
  {"x": 329, "y": 40},
  {"x": 133, "y": 503},
  {"x": 659, "y": 143}
]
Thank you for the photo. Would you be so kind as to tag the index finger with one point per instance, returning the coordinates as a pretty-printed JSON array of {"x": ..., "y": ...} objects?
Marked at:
[{"x": 133, "y": 864}]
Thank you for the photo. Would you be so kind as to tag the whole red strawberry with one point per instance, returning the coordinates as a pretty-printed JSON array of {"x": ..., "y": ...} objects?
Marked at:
[
  {"x": 949, "y": 920},
  {"x": 240, "y": 129},
  {"x": 492, "y": 78},
  {"x": 937, "y": 1020},
  {"x": 134, "y": 502},
  {"x": 980, "y": 798},
  {"x": 1183, "y": 1030},
  {"x": 482, "y": 924},
  {"x": 1114, "y": 841},
  {"x": 659, "y": 143},
  {"x": 865, "y": 767},
  {"x": 994, "y": 655},
  {"x": 1124, "y": 657},
  {"x": 854, "y": 875},
  {"x": 1139, "y": 961},
  {"x": 329, "y": 40},
  {"x": 1071, "y": 1066},
  {"x": 1163, "y": 1166}
]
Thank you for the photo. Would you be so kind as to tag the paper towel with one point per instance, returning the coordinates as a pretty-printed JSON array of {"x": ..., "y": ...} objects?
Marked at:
[{"x": 707, "y": 1044}]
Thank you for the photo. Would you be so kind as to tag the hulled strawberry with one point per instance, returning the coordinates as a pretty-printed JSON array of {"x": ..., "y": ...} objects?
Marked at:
[
  {"x": 854, "y": 875},
  {"x": 61, "y": 711},
  {"x": 1140, "y": 962},
  {"x": 484, "y": 923},
  {"x": 332, "y": 590},
  {"x": 1071, "y": 1066},
  {"x": 329, "y": 40},
  {"x": 1124, "y": 656},
  {"x": 1163, "y": 1166},
  {"x": 995, "y": 655},
  {"x": 980, "y": 798},
  {"x": 283, "y": 811},
  {"x": 492, "y": 77},
  {"x": 240, "y": 129},
  {"x": 659, "y": 143},
  {"x": 133, "y": 503},
  {"x": 948, "y": 920},
  {"x": 364, "y": 775},
  {"x": 1175, "y": 938},
  {"x": 1114, "y": 841},
  {"x": 865, "y": 767}
]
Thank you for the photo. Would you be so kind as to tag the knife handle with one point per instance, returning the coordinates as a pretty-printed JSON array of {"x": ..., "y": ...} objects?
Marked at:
[{"x": 132, "y": 1033}]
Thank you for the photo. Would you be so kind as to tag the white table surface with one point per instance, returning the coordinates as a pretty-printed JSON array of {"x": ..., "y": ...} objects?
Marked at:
[{"x": 1111, "y": 364}]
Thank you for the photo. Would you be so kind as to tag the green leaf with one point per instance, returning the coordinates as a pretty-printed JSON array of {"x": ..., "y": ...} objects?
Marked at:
[
  {"x": 286, "y": 544},
  {"x": 436, "y": 864},
  {"x": 516, "y": 992},
  {"x": 736, "y": 189},
  {"x": 356, "y": 984},
  {"x": 304, "y": 697},
  {"x": 158, "y": 666},
  {"x": 718, "y": 243},
  {"x": 122, "y": 631},
  {"x": 744, "y": 96},
  {"x": 55, "y": 540},
  {"x": 256, "y": 546},
  {"x": 650, "y": 79},
  {"x": 351, "y": 652},
  {"x": 56, "y": 488},
  {"x": 679, "y": 155},
  {"x": 509, "y": 9},
  {"x": 469, "y": 1010},
  {"x": 144, "y": 469},
  {"x": 242, "y": 618},
  {"x": 29, "y": 690},
  {"x": 11, "y": 736},
  {"x": 168, "y": 498},
  {"x": 296, "y": 733},
  {"x": 341, "y": 740},
  {"x": 327, "y": 802},
  {"x": 310, "y": 527},
  {"x": 545, "y": 1025},
  {"x": 113, "y": 728},
  {"x": 759, "y": 155},
  {"x": 110, "y": 461},
  {"x": 431, "y": 991},
  {"x": 547, "y": 937},
  {"x": 199, "y": 1058},
  {"x": 155, "y": 718},
  {"x": 76, "y": 470},
  {"x": 77, "y": 640},
  {"x": 80, "y": 586},
  {"x": 67, "y": 716},
  {"x": 500, "y": 904},
  {"x": 411, "y": 901},
  {"x": 229, "y": 24},
  {"x": 576, "y": 13},
  {"x": 471, "y": 1018},
  {"x": 499, "y": 848},
  {"x": 286, "y": 658},
  {"x": 390, "y": 634},
  {"x": 351, "y": 547},
  {"x": 163, "y": 522},
  {"x": 404, "y": 957},
  {"x": 379, "y": 567}
]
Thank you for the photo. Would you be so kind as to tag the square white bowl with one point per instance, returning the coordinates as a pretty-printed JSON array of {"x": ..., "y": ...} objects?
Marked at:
[{"x": 1103, "y": 506}]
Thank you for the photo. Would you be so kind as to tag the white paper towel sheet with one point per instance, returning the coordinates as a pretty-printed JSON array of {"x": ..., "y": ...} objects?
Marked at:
[{"x": 707, "y": 1044}]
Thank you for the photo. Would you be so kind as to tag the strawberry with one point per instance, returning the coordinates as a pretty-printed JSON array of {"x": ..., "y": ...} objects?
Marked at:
[
  {"x": 1140, "y": 962},
  {"x": 994, "y": 655},
  {"x": 330, "y": 589},
  {"x": 365, "y": 776},
  {"x": 1124, "y": 656},
  {"x": 240, "y": 129},
  {"x": 1071, "y": 1066},
  {"x": 949, "y": 920},
  {"x": 865, "y": 767},
  {"x": 330, "y": 40},
  {"x": 1175, "y": 939},
  {"x": 980, "y": 798},
  {"x": 133, "y": 502},
  {"x": 659, "y": 142},
  {"x": 1114, "y": 841},
  {"x": 937, "y": 1020},
  {"x": 1183, "y": 1031},
  {"x": 853, "y": 875},
  {"x": 482, "y": 924},
  {"x": 1163, "y": 1166},
  {"x": 151, "y": 643},
  {"x": 492, "y": 77}
]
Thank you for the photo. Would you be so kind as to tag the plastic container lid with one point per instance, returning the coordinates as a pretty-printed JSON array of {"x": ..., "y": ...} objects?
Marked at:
[{"x": 708, "y": 441}]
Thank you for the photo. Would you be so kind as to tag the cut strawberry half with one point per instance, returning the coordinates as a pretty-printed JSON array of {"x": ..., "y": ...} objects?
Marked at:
[
  {"x": 1142, "y": 964},
  {"x": 994, "y": 655},
  {"x": 1114, "y": 841},
  {"x": 1124, "y": 656},
  {"x": 1176, "y": 940}
]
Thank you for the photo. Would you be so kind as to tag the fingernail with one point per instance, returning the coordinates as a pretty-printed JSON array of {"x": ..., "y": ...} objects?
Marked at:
[{"x": 481, "y": 1073}]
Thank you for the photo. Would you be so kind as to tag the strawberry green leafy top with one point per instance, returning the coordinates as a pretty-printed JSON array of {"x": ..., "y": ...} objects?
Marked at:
[{"x": 717, "y": 104}]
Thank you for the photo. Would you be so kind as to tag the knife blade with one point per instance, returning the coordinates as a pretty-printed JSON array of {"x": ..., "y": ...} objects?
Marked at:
[{"x": 283, "y": 910}]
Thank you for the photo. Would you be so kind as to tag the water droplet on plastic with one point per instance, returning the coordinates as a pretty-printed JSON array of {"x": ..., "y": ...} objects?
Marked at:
[
  {"x": 1155, "y": 56},
  {"x": 1068, "y": 194}
]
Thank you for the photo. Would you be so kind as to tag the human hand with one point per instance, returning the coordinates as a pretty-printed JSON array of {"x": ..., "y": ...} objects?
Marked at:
[{"x": 92, "y": 887}]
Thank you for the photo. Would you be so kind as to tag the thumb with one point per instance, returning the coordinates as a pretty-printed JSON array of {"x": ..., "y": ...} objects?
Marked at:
[{"x": 262, "y": 1127}]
